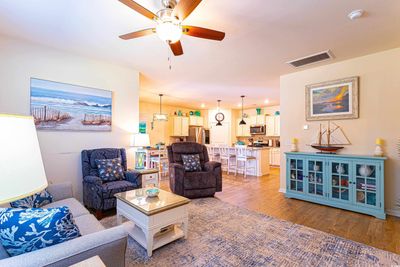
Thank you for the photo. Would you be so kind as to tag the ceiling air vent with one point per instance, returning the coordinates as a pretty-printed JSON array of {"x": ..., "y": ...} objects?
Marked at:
[{"x": 321, "y": 56}]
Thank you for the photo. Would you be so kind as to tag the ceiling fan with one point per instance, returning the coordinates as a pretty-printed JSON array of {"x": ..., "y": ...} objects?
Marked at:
[{"x": 169, "y": 23}]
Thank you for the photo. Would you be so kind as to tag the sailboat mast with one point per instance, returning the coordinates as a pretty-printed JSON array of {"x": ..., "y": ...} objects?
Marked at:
[
  {"x": 320, "y": 134},
  {"x": 328, "y": 136}
]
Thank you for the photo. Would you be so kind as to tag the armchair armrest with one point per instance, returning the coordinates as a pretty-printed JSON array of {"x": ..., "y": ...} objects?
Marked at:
[
  {"x": 93, "y": 180},
  {"x": 109, "y": 244},
  {"x": 211, "y": 165},
  {"x": 134, "y": 177},
  {"x": 60, "y": 191},
  {"x": 176, "y": 177}
]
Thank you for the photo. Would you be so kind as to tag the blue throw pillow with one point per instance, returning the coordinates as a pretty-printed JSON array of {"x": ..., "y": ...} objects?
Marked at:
[
  {"x": 26, "y": 230},
  {"x": 35, "y": 201},
  {"x": 191, "y": 162},
  {"x": 110, "y": 169}
]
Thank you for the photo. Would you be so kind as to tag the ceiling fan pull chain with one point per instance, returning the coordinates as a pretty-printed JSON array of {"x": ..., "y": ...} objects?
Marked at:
[{"x": 169, "y": 58}]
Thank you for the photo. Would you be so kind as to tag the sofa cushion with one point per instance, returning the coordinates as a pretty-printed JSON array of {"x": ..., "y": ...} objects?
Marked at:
[
  {"x": 34, "y": 201},
  {"x": 199, "y": 180},
  {"x": 191, "y": 162},
  {"x": 76, "y": 208},
  {"x": 110, "y": 169},
  {"x": 88, "y": 224},
  {"x": 26, "y": 230},
  {"x": 111, "y": 188}
]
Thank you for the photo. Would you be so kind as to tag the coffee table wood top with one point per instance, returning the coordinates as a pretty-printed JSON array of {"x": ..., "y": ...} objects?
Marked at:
[{"x": 151, "y": 205}]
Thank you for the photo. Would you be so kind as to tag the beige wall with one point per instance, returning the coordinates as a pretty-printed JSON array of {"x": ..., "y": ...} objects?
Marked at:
[
  {"x": 19, "y": 61},
  {"x": 161, "y": 131},
  {"x": 379, "y": 111}
]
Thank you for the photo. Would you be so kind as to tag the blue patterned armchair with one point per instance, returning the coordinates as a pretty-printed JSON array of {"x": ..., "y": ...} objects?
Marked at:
[{"x": 97, "y": 194}]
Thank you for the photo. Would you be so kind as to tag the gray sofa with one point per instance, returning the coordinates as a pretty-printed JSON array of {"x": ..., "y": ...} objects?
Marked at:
[{"x": 108, "y": 244}]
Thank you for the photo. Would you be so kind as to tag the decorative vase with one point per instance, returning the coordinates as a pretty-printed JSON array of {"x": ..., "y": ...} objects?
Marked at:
[
  {"x": 258, "y": 111},
  {"x": 365, "y": 171}
]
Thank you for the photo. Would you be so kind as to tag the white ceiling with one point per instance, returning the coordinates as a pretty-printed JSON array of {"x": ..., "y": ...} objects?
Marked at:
[{"x": 261, "y": 35}]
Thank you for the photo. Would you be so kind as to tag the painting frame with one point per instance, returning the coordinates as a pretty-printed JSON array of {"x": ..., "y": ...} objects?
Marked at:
[
  {"x": 350, "y": 85},
  {"x": 89, "y": 123}
]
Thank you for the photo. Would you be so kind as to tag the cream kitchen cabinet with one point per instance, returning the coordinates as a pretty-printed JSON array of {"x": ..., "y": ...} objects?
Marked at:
[
  {"x": 180, "y": 126},
  {"x": 243, "y": 130},
  {"x": 275, "y": 156},
  {"x": 257, "y": 120},
  {"x": 273, "y": 125},
  {"x": 196, "y": 121}
]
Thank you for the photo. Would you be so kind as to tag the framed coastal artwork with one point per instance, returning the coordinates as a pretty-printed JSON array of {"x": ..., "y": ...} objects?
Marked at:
[
  {"x": 333, "y": 100},
  {"x": 66, "y": 107}
]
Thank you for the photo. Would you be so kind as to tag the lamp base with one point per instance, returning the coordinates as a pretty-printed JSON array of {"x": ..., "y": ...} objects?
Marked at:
[{"x": 140, "y": 157}]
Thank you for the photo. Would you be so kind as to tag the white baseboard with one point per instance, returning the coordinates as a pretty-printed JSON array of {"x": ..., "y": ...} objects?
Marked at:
[
  {"x": 393, "y": 212},
  {"x": 282, "y": 190}
]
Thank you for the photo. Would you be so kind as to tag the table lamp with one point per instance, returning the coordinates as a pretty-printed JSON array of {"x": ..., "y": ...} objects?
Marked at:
[
  {"x": 22, "y": 171},
  {"x": 140, "y": 140}
]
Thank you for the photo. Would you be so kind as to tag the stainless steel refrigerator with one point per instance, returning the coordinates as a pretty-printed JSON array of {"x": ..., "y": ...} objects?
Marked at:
[{"x": 198, "y": 135}]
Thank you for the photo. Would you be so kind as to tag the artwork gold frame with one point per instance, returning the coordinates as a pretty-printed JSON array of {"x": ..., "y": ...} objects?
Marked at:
[{"x": 333, "y": 100}]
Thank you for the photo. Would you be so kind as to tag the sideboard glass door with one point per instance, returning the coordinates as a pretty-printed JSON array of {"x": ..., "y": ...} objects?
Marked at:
[
  {"x": 366, "y": 185},
  {"x": 296, "y": 167},
  {"x": 315, "y": 171},
  {"x": 340, "y": 182}
]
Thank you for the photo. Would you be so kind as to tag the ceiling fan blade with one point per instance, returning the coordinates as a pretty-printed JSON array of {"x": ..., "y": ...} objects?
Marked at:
[
  {"x": 185, "y": 7},
  {"x": 176, "y": 48},
  {"x": 203, "y": 33},
  {"x": 137, "y": 34},
  {"x": 138, "y": 8}
]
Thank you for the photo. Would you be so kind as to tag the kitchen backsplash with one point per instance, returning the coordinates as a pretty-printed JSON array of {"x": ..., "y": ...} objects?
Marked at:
[{"x": 262, "y": 139}]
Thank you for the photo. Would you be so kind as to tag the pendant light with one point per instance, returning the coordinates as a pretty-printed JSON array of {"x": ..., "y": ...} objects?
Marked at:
[
  {"x": 242, "y": 122},
  {"x": 160, "y": 116},
  {"x": 219, "y": 116}
]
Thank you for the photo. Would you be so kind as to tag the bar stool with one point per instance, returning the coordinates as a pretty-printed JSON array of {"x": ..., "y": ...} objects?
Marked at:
[
  {"x": 228, "y": 158},
  {"x": 160, "y": 162},
  {"x": 243, "y": 158}
]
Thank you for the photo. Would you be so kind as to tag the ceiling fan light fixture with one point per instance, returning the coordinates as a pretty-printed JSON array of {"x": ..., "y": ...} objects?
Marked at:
[{"x": 169, "y": 28}]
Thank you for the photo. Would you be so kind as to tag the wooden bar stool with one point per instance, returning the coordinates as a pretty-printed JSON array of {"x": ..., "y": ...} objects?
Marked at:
[
  {"x": 242, "y": 160},
  {"x": 228, "y": 158}
]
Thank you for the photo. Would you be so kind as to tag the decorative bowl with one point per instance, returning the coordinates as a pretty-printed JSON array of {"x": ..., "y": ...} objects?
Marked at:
[{"x": 152, "y": 192}]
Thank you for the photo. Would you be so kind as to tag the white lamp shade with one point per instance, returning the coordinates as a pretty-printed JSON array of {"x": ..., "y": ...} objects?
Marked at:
[
  {"x": 140, "y": 140},
  {"x": 22, "y": 171}
]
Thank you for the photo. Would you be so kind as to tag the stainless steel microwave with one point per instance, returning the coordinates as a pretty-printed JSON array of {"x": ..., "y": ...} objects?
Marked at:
[{"x": 257, "y": 129}]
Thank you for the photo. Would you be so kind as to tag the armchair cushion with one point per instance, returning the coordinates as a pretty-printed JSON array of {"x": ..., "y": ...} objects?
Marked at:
[
  {"x": 191, "y": 162},
  {"x": 26, "y": 230},
  {"x": 108, "y": 190},
  {"x": 34, "y": 201},
  {"x": 199, "y": 180},
  {"x": 134, "y": 177},
  {"x": 110, "y": 169}
]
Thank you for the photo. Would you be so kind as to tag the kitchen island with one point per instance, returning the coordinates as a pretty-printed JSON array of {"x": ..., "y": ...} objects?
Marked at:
[{"x": 258, "y": 167}]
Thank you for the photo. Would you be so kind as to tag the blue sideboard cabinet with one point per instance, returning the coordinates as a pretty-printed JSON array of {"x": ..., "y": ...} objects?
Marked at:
[{"x": 348, "y": 182}]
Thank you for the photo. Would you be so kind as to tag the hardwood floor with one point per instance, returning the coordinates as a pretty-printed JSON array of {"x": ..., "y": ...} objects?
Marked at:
[{"x": 261, "y": 194}]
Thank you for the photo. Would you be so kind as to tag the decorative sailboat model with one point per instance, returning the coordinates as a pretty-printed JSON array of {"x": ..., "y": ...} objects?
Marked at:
[{"x": 330, "y": 140}]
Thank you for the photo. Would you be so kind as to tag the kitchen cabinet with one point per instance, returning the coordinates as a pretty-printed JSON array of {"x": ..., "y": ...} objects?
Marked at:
[
  {"x": 275, "y": 156},
  {"x": 243, "y": 130},
  {"x": 349, "y": 182},
  {"x": 196, "y": 121},
  {"x": 180, "y": 126},
  {"x": 257, "y": 120},
  {"x": 273, "y": 125}
]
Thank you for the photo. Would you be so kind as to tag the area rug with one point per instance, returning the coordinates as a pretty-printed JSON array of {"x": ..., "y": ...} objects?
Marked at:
[{"x": 221, "y": 234}]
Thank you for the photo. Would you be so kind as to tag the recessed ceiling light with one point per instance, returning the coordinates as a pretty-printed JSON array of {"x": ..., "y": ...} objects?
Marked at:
[
  {"x": 266, "y": 101},
  {"x": 355, "y": 14},
  {"x": 203, "y": 105}
]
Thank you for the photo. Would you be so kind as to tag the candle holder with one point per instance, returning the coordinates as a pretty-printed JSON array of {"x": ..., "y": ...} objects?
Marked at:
[{"x": 378, "y": 149}]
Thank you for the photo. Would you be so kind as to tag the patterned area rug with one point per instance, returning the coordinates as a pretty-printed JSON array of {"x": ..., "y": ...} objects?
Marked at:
[{"x": 221, "y": 234}]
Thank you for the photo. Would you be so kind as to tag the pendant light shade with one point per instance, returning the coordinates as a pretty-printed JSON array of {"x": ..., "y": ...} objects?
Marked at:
[
  {"x": 242, "y": 122},
  {"x": 160, "y": 116},
  {"x": 219, "y": 116}
]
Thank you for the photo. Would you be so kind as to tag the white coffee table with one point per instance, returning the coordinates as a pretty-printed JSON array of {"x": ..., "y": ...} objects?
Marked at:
[{"x": 157, "y": 221}]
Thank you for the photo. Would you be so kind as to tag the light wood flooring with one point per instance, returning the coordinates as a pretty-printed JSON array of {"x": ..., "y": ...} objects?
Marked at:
[{"x": 261, "y": 194}]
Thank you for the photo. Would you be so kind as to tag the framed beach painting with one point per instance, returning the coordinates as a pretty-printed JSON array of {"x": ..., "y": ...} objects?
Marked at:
[
  {"x": 333, "y": 100},
  {"x": 66, "y": 107}
]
